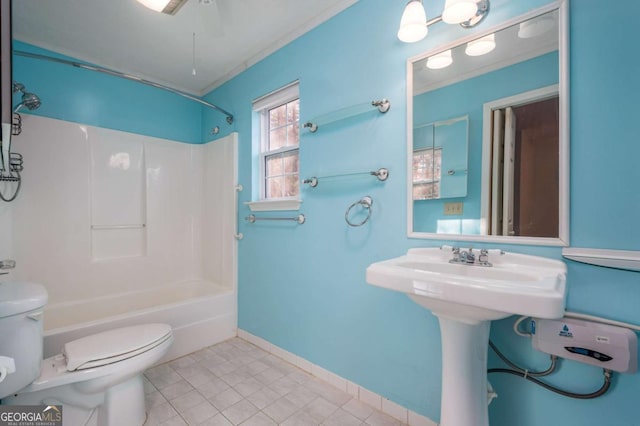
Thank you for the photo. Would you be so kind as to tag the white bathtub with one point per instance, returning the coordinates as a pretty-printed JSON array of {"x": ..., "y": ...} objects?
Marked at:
[{"x": 201, "y": 314}]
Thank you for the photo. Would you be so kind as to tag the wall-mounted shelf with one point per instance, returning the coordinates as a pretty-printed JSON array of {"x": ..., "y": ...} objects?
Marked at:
[
  {"x": 619, "y": 259},
  {"x": 274, "y": 205},
  {"x": 382, "y": 174},
  {"x": 382, "y": 105}
]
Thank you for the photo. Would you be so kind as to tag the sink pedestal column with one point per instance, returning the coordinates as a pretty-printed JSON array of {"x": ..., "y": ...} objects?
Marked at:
[{"x": 464, "y": 373}]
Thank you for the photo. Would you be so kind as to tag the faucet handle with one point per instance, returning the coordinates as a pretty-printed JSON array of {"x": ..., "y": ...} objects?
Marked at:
[
  {"x": 456, "y": 253},
  {"x": 483, "y": 260},
  {"x": 7, "y": 264}
]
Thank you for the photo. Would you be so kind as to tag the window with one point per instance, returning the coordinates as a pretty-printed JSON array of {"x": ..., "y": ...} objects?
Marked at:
[
  {"x": 426, "y": 173},
  {"x": 279, "y": 143},
  {"x": 279, "y": 155}
]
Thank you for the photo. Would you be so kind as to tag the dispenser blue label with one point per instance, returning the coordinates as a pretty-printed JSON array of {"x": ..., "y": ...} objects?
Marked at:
[{"x": 565, "y": 332}]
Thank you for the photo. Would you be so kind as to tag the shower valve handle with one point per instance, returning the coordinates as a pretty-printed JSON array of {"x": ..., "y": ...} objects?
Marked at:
[{"x": 7, "y": 264}]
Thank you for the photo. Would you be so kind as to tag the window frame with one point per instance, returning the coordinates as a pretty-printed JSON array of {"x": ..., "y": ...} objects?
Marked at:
[{"x": 262, "y": 106}]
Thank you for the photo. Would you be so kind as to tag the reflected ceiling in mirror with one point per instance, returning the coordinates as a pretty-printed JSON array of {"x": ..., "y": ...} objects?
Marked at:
[
  {"x": 514, "y": 44},
  {"x": 510, "y": 83}
]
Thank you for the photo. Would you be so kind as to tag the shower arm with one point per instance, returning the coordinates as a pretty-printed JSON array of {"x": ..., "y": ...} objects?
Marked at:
[{"x": 125, "y": 76}]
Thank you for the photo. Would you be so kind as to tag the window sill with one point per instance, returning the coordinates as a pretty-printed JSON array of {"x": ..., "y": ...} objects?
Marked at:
[{"x": 274, "y": 205}]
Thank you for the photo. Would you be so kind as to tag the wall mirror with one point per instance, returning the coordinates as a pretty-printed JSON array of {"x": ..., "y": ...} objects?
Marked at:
[{"x": 488, "y": 145}]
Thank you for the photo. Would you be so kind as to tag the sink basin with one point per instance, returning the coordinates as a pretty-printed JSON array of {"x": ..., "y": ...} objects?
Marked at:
[
  {"x": 465, "y": 299},
  {"x": 515, "y": 284}
]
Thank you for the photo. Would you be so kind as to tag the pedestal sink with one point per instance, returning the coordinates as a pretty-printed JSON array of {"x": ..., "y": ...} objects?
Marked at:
[{"x": 466, "y": 298}]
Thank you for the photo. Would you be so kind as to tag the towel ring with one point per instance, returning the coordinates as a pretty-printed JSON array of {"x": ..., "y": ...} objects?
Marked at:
[{"x": 366, "y": 203}]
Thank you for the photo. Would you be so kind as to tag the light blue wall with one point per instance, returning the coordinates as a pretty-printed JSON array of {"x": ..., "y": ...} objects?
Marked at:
[
  {"x": 303, "y": 287},
  {"x": 83, "y": 96},
  {"x": 468, "y": 98}
]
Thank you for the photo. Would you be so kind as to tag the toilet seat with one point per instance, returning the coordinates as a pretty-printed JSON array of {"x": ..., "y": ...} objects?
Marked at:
[
  {"x": 112, "y": 346},
  {"x": 55, "y": 371},
  {"x": 111, "y": 394}
]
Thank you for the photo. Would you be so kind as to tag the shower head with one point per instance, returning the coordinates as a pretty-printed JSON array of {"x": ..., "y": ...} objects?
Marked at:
[{"x": 29, "y": 100}]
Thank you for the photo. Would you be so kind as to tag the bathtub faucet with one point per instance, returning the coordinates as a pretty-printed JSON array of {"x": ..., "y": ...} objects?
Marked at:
[{"x": 5, "y": 265}]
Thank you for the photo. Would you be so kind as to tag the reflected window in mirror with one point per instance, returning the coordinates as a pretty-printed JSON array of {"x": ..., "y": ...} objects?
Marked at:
[
  {"x": 514, "y": 189},
  {"x": 427, "y": 164},
  {"x": 440, "y": 159}
]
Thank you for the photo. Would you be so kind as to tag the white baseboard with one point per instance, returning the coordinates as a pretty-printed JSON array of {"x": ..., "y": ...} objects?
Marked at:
[{"x": 364, "y": 395}]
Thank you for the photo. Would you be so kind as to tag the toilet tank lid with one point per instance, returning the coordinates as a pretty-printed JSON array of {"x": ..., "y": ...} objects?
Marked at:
[
  {"x": 110, "y": 346},
  {"x": 20, "y": 297}
]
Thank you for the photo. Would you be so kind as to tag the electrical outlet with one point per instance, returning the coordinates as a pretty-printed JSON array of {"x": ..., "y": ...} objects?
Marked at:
[{"x": 452, "y": 209}]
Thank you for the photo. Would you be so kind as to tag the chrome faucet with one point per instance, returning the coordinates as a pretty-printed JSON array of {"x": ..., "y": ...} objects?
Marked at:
[
  {"x": 467, "y": 257},
  {"x": 6, "y": 264},
  {"x": 464, "y": 257}
]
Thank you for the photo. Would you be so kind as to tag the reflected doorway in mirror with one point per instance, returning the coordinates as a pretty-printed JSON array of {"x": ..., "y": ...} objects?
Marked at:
[
  {"x": 524, "y": 185},
  {"x": 521, "y": 165}
]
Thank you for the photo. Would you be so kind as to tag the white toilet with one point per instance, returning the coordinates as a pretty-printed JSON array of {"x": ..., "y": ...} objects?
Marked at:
[{"x": 97, "y": 379}]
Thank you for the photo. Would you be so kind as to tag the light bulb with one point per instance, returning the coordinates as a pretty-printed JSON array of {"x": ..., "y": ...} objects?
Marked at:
[
  {"x": 456, "y": 11},
  {"x": 481, "y": 46},
  {"x": 536, "y": 26},
  {"x": 157, "y": 5},
  {"x": 413, "y": 25},
  {"x": 440, "y": 60}
]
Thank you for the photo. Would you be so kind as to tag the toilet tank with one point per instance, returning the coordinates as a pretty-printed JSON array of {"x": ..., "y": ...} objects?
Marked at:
[{"x": 21, "y": 314}]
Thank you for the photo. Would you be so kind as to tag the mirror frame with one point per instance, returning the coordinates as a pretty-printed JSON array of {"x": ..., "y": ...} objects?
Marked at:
[{"x": 563, "y": 89}]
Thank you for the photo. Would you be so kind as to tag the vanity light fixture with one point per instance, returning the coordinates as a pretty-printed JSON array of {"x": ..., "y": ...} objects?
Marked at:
[
  {"x": 170, "y": 7},
  {"x": 414, "y": 25},
  {"x": 440, "y": 60},
  {"x": 481, "y": 46}
]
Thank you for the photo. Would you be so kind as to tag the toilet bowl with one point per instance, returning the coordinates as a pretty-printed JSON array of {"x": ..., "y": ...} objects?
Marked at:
[{"x": 97, "y": 379}]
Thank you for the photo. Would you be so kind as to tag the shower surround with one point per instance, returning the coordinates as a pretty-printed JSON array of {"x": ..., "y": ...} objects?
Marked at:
[{"x": 123, "y": 228}]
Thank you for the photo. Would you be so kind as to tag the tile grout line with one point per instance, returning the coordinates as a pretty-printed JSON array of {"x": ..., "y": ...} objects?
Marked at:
[
  {"x": 369, "y": 398},
  {"x": 177, "y": 368}
]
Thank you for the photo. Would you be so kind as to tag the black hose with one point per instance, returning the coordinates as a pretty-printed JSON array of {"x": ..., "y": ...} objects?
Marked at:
[
  {"x": 603, "y": 389},
  {"x": 546, "y": 372}
]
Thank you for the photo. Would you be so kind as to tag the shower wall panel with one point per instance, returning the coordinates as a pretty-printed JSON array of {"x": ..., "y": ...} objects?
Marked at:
[
  {"x": 66, "y": 194},
  {"x": 118, "y": 195}
]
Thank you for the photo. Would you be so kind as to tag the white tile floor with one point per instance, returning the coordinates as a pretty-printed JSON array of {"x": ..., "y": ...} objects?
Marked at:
[{"x": 235, "y": 383}]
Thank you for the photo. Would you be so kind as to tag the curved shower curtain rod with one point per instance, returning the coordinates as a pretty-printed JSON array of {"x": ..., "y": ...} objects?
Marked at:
[{"x": 125, "y": 76}]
